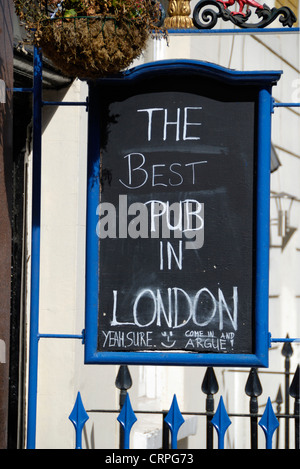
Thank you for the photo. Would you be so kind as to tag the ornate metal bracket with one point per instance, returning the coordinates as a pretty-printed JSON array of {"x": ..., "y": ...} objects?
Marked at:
[{"x": 206, "y": 18}]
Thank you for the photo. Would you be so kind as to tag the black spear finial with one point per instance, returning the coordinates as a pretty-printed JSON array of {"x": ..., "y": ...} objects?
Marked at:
[
  {"x": 287, "y": 350},
  {"x": 123, "y": 382},
  {"x": 295, "y": 393},
  {"x": 253, "y": 389},
  {"x": 209, "y": 387}
]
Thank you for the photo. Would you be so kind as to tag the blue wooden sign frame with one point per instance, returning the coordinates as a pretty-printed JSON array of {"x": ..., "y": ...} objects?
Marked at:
[{"x": 263, "y": 81}]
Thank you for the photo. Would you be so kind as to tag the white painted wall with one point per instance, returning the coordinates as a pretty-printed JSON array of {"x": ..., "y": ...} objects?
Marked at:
[{"x": 62, "y": 372}]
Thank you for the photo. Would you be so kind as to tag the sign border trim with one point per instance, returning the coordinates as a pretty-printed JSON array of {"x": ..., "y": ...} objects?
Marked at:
[{"x": 264, "y": 80}]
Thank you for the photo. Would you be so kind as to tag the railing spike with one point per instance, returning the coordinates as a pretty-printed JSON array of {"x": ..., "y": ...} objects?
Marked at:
[
  {"x": 287, "y": 350},
  {"x": 123, "y": 382},
  {"x": 209, "y": 387},
  {"x": 295, "y": 385},
  {"x": 279, "y": 401},
  {"x": 210, "y": 383},
  {"x": 253, "y": 389},
  {"x": 127, "y": 418},
  {"x": 279, "y": 398},
  {"x": 221, "y": 422},
  {"x": 294, "y": 392},
  {"x": 78, "y": 417},
  {"x": 269, "y": 423},
  {"x": 253, "y": 386},
  {"x": 174, "y": 420}
]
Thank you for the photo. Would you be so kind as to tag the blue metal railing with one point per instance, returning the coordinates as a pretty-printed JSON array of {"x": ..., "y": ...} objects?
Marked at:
[
  {"x": 219, "y": 420},
  {"x": 35, "y": 249}
]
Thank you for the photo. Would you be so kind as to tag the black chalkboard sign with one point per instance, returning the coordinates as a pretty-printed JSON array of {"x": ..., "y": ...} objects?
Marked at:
[{"x": 177, "y": 158}]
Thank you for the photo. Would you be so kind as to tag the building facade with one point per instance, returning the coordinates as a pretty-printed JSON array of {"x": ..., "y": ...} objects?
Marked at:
[{"x": 61, "y": 369}]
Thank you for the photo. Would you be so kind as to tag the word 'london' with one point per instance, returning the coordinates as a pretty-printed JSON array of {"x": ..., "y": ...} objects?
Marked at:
[{"x": 180, "y": 309}]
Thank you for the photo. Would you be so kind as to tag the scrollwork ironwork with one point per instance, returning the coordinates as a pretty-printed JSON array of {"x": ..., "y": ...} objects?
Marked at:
[{"x": 204, "y": 17}]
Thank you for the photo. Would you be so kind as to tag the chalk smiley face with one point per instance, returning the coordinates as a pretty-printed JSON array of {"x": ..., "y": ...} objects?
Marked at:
[{"x": 168, "y": 339}]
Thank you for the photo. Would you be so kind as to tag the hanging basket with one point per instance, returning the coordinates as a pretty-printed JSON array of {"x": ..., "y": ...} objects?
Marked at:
[{"x": 89, "y": 47}]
